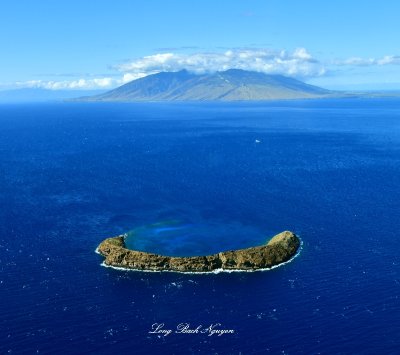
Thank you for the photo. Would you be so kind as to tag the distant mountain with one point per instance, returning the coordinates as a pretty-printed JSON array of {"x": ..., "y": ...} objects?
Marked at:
[
  {"x": 230, "y": 85},
  {"x": 42, "y": 95}
]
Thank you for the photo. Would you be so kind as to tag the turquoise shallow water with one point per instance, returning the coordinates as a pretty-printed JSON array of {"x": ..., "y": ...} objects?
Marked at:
[
  {"x": 74, "y": 174},
  {"x": 180, "y": 238}
]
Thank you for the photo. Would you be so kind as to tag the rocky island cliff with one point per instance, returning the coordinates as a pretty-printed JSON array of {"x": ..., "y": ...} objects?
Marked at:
[{"x": 279, "y": 249}]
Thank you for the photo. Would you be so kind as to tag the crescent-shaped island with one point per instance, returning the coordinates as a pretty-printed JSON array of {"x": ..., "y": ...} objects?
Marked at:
[{"x": 281, "y": 248}]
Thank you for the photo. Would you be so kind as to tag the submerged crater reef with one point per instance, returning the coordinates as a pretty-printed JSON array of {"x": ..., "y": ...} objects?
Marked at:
[{"x": 279, "y": 249}]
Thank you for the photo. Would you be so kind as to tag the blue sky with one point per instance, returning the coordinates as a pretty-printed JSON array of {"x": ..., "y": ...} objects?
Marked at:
[{"x": 74, "y": 44}]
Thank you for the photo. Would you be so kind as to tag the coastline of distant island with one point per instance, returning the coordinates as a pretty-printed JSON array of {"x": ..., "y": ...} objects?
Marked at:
[
  {"x": 278, "y": 250},
  {"x": 232, "y": 85},
  {"x": 225, "y": 86}
]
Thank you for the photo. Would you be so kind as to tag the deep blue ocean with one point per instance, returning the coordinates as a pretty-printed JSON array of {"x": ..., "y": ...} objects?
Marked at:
[{"x": 192, "y": 179}]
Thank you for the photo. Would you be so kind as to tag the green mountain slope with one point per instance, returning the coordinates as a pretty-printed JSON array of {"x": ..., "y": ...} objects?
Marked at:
[{"x": 230, "y": 85}]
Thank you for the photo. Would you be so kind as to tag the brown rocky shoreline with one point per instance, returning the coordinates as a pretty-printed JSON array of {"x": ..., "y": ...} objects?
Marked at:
[{"x": 279, "y": 249}]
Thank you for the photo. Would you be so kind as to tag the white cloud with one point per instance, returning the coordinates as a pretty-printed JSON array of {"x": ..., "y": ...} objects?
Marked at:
[
  {"x": 301, "y": 53},
  {"x": 357, "y": 61},
  {"x": 95, "y": 83},
  {"x": 364, "y": 62},
  {"x": 389, "y": 59},
  {"x": 298, "y": 63},
  {"x": 127, "y": 77},
  {"x": 79, "y": 84}
]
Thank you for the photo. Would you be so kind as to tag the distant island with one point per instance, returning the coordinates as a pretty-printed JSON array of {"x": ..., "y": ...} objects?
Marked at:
[
  {"x": 279, "y": 249},
  {"x": 226, "y": 86},
  {"x": 229, "y": 85}
]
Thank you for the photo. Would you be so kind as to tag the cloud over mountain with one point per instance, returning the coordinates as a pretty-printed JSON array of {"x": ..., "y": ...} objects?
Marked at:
[{"x": 298, "y": 63}]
